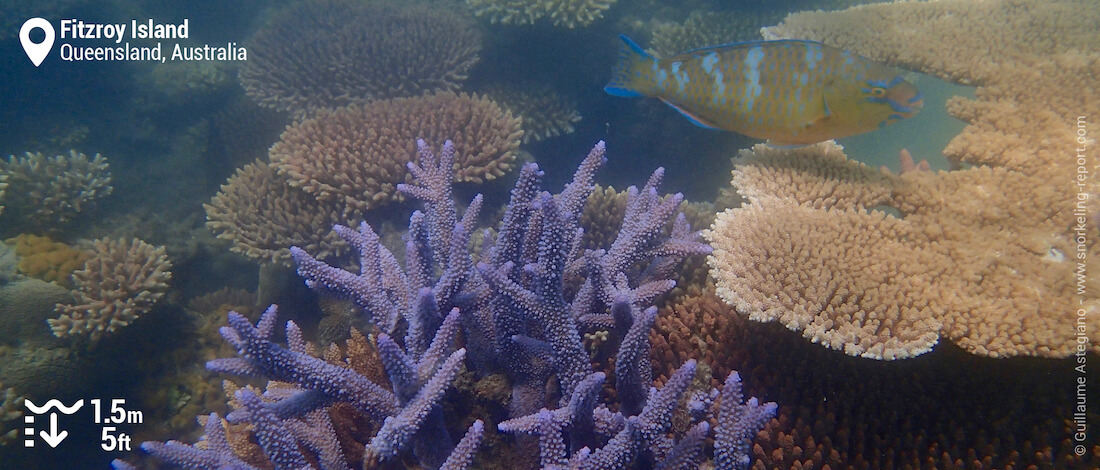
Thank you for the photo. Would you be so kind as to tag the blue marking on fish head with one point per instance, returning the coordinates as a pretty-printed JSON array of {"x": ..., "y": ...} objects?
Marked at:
[
  {"x": 662, "y": 77},
  {"x": 719, "y": 85}
]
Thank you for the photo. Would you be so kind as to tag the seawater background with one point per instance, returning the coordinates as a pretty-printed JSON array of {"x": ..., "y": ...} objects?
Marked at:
[{"x": 163, "y": 170}]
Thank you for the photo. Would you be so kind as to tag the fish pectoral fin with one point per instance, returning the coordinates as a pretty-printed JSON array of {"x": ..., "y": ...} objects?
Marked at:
[
  {"x": 695, "y": 119},
  {"x": 824, "y": 112}
]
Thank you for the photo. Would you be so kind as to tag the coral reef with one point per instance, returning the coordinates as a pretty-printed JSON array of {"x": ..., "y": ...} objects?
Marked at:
[
  {"x": 50, "y": 191},
  {"x": 564, "y": 13},
  {"x": 261, "y": 215},
  {"x": 173, "y": 84},
  {"x": 3, "y": 189},
  {"x": 846, "y": 412},
  {"x": 355, "y": 157},
  {"x": 710, "y": 28},
  {"x": 327, "y": 53},
  {"x": 43, "y": 258},
  {"x": 11, "y": 415},
  {"x": 543, "y": 113},
  {"x": 243, "y": 131},
  {"x": 982, "y": 255},
  {"x": 525, "y": 324},
  {"x": 121, "y": 281}
]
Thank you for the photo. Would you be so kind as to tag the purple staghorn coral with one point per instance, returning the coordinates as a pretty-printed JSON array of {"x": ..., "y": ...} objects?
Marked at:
[{"x": 522, "y": 311}]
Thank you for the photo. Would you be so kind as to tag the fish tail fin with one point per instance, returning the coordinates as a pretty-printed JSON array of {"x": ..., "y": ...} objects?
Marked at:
[{"x": 631, "y": 76}]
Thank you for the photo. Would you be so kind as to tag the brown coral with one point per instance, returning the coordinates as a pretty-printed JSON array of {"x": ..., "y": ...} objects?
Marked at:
[
  {"x": 46, "y": 259},
  {"x": 356, "y": 156},
  {"x": 327, "y": 53},
  {"x": 565, "y": 13},
  {"x": 263, "y": 216},
  {"x": 49, "y": 191},
  {"x": 710, "y": 28},
  {"x": 119, "y": 283},
  {"x": 838, "y": 411},
  {"x": 982, "y": 256},
  {"x": 543, "y": 112}
]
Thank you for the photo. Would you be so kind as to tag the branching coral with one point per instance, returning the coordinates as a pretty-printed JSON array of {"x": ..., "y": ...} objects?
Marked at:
[
  {"x": 707, "y": 28},
  {"x": 48, "y": 191},
  {"x": 847, "y": 412},
  {"x": 119, "y": 283},
  {"x": 543, "y": 112},
  {"x": 525, "y": 324},
  {"x": 566, "y": 13},
  {"x": 984, "y": 256},
  {"x": 356, "y": 156},
  {"x": 11, "y": 415},
  {"x": 262, "y": 216},
  {"x": 878, "y": 285},
  {"x": 326, "y": 53}
]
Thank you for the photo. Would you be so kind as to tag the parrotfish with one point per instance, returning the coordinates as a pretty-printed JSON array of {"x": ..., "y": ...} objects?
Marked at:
[{"x": 790, "y": 92}]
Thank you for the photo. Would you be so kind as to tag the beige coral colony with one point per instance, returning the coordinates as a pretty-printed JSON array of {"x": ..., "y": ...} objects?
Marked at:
[
  {"x": 885, "y": 265},
  {"x": 387, "y": 175}
]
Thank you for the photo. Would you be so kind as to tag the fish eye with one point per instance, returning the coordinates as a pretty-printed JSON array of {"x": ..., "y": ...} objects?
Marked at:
[{"x": 878, "y": 91}]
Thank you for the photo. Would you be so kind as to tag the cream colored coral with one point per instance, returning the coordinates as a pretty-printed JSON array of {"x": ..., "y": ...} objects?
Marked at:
[
  {"x": 848, "y": 278},
  {"x": 53, "y": 190},
  {"x": 122, "y": 280},
  {"x": 962, "y": 40},
  {"x": 819, "y": 175},
  {"x": 566, "y": 13},
  {"x": 356, "y": 156},
  {"x": 263, "y": 216},
  {"x": 967, "y": 255},
  {"x": 11, "y": 415},
  {"x": 1005, "y": 237}
]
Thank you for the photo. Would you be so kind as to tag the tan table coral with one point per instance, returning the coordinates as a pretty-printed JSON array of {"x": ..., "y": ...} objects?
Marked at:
[
  {"x": 356, "y": 156},
  {"x": 986, "y": 256},
  {"x": 263, "y": 216},
  {"x": 565, "y": 13},
  {"x": 326, "y": 53}
]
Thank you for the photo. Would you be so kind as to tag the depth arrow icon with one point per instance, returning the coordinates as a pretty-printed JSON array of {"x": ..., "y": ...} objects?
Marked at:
[{"x": 53, "y": 438}]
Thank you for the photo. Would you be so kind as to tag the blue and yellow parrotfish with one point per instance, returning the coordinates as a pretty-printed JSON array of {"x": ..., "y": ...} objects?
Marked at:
[{"x": 790, "y": 92}]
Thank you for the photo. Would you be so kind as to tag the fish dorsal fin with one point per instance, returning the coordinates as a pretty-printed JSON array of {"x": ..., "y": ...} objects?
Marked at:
[{"x": 695, "y": 119}]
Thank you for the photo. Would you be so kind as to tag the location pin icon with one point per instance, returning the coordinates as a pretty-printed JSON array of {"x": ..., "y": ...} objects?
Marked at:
[{"x": 36, "y": 52}]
